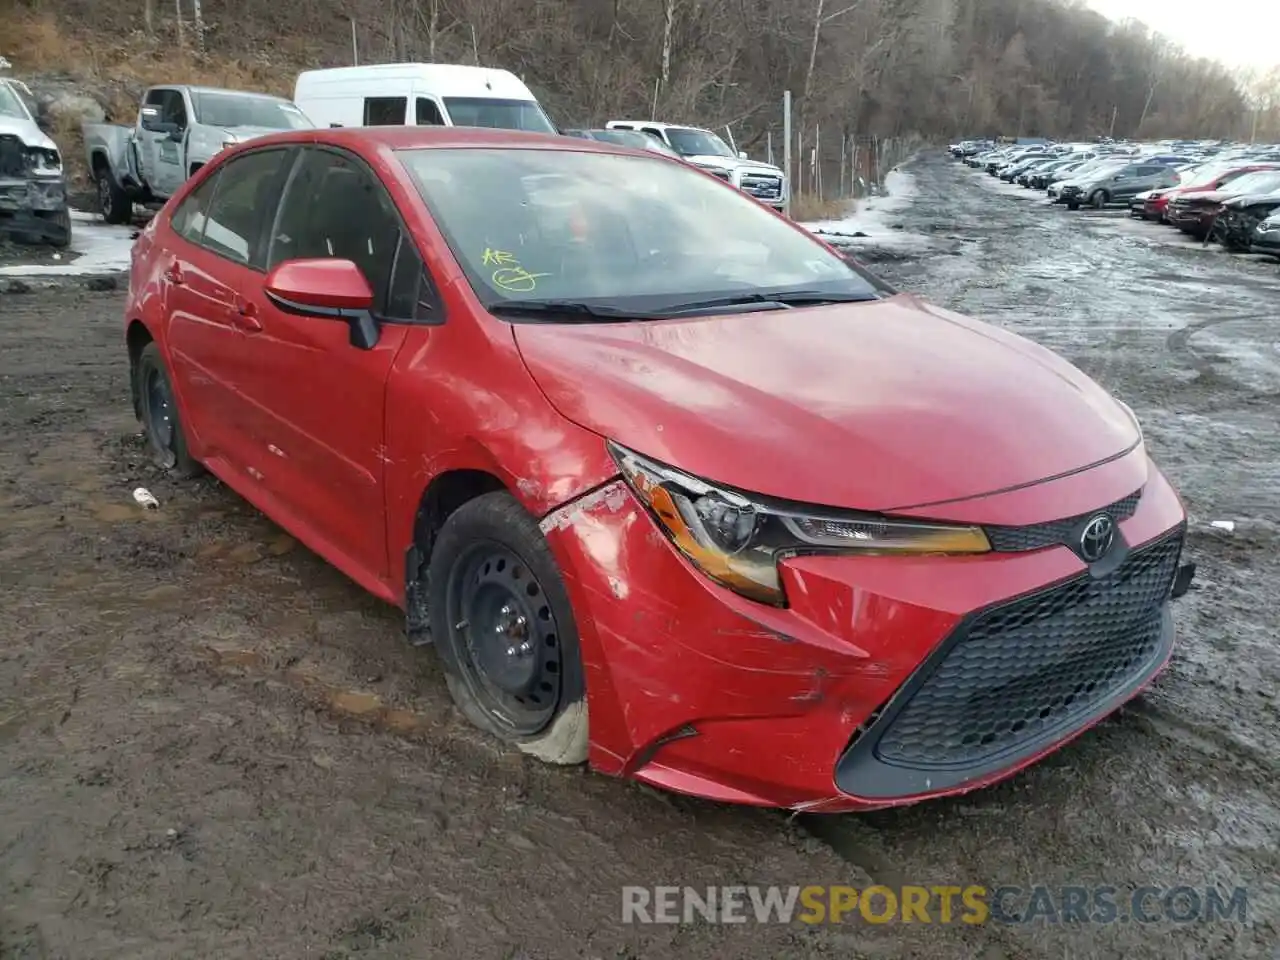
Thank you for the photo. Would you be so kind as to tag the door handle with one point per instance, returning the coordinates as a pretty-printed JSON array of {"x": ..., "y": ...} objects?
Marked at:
[
  {"x": 246, "y": 314},
  {"x": 174, "y": 275}
]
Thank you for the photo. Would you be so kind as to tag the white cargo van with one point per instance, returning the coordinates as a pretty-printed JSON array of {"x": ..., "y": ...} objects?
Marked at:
[{"x": 419, "y": 94}]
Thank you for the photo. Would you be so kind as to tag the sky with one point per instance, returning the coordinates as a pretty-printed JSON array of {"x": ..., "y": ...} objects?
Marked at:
[{"x": 1239, "y": 33}]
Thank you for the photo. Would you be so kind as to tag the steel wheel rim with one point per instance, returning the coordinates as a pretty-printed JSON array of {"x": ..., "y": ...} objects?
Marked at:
[
  {"x": 509, "y": 641},
  {"x": 160, "y": 416}
]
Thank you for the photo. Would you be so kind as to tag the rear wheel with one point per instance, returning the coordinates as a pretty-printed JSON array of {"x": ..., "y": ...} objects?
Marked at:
[
  {"x": 159, "y": 413},
  {"x": 114, "y": 203},
  {"x": 501, "y": 620}
]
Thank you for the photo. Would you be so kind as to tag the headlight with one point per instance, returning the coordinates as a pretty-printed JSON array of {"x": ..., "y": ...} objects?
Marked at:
[{"x": 738, "y": 539}]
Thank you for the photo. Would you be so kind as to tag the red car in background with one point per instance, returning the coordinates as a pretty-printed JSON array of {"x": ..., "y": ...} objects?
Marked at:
[
  {"x": 670, "y": 485},
  {"x": 1208, "y": 178}
]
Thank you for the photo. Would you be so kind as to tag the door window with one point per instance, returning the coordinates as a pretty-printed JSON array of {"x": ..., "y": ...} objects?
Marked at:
[
  {"x": 335, "y": 207},
  {"x": 244, "y": 203},
  {"x": 427, "y": 114},
  {"x": 174, "y": 109},
  {"x": 189, "y": 219},
  {"x": 385, "y": 111}
]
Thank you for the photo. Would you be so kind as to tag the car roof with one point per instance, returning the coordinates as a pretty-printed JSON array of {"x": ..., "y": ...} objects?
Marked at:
[{"x": 436, "y": 137}]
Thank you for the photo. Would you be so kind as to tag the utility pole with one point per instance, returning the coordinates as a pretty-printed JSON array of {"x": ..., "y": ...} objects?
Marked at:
[
  {"x": 786, "y": 146},
  {"x": 1112, "y": 133}
]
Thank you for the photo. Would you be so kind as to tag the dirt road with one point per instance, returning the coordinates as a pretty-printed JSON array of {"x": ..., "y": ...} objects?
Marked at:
[{"x": 212, "y": 745}]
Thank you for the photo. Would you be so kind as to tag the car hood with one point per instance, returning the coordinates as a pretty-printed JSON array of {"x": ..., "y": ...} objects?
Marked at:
[
  {"x": 1249, "y": 199},
  {"x": 27, "y": 132},
  {"x": 733, "y": 163},
  {"x": 873, "y": 406},
  {"x": 243, "y": 133}
]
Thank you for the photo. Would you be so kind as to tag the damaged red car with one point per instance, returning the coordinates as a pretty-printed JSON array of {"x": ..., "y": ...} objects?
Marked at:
[{"x": 670, "y": 486}]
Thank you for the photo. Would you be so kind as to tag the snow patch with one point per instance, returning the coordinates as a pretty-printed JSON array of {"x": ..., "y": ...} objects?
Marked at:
[
  {"x": 96, "y": 248},
  {"x": 875, "y": 216}
]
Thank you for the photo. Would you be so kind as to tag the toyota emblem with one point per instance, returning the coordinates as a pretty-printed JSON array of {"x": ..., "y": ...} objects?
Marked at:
[{"x": 1097, "y": 537}]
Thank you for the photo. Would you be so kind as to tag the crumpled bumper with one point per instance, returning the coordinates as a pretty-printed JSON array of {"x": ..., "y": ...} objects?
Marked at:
[{"x": 32, "y": 207}]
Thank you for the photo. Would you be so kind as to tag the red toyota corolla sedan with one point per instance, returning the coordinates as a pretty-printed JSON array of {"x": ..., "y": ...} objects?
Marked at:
[{"x": 670, "y": 485}]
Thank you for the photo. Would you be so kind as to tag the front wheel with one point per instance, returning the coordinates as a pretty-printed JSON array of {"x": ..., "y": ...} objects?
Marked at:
[
  {"x": 1099, "y": 199},
  {"x": 502, "y": 622},
  {"x": 159, "y": 413}
]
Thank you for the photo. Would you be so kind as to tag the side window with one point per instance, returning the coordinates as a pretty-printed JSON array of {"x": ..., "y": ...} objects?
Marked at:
[
  {"x": 152, "y": 109},
  {"x": 334, "y": 207},
  {"x": 176, "y": 109},
  {"x": 1152, "y": 170},
  {"x": 189, "y": 219},
  {"x": 244, "y": 203},
  {"x": 427, "y": 114},
  {"x": 385, "y": 111}
]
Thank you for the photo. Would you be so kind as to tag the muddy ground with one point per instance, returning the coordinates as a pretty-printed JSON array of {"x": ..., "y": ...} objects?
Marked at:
[{"x": 213, "y": 745}]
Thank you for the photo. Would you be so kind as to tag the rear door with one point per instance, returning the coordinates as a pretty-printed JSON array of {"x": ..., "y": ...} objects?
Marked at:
[
  {"x": 325, "y": 398},
  {"x": 222, "y": 253}
]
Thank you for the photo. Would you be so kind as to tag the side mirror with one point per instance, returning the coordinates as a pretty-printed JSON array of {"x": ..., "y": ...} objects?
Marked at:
[
  {"x": 174, "y": 132},
  {"x": 328, "y": 289},
  {"x": 742, "y": 155}
]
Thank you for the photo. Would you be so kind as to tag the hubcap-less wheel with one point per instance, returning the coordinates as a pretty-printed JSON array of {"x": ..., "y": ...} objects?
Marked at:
[
  {"x": 159, "y": 401},
  {"x": 104, "y": 198},
  {"x": 510, "y": 653}
]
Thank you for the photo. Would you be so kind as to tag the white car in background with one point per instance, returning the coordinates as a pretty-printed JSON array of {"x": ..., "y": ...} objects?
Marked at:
[{"x": 33, "y": 189}]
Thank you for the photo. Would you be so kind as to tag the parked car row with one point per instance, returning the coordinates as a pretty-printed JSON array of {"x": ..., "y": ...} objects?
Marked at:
[{"x": 1212, "y": 191}]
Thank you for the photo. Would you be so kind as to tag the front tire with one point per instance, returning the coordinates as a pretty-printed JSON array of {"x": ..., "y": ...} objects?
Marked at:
[
  {"x": 159, "y": 414},
  {"x": 1098, "y": 199},
  {"x": 502, "y": 622}
]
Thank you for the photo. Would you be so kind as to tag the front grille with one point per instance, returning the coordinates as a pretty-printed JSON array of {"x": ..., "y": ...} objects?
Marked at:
[
  {"x": 1044, "y": 663},
  {"x": 765, "y": 188},
  {"x": 1056, "y": 532}
]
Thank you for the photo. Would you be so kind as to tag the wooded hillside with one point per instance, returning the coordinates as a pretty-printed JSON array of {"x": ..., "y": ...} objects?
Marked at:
[{"x": 888, "y": 68}]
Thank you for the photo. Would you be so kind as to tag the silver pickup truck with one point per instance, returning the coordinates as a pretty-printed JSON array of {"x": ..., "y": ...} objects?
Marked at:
[{"x": 179, "y": 129}]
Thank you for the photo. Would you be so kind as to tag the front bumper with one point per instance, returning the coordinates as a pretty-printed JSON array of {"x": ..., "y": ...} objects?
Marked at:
[
  {"x": 31, "y": 206},
  {"x": 887, "y": 680},
  {"x": 1192, "y": 219}
]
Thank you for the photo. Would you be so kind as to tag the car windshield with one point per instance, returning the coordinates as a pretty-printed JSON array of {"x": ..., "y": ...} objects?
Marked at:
[
  {"x": 697, "y": 143},
  {"x": 230, "y": 110},
  {"x": 11, "y": 104},
  {"x": 498, "y": 114},
  {"x": 626, "y": 233},
  {"x": 1258, "y": 182}
]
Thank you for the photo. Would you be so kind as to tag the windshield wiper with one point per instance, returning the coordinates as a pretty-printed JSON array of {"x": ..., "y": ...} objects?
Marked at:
[
  {"x": 571, "y": 311},
  {"x": 784, "y": 299}
]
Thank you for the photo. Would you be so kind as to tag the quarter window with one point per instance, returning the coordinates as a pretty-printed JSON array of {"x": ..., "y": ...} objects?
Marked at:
[{"x": 190, "y": 217}]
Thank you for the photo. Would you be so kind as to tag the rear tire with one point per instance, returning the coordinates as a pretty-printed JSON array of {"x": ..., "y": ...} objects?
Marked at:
[
  {"x": 115, "y": 204},
  {"x": 503, "y": 625},
  {"x": 159, "y": 408}
]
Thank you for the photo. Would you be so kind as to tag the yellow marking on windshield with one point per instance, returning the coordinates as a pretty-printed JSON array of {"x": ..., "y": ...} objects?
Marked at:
[
  {"x": 498, "y": 258},
  {"x": 510, "y": 275},
  {"x": 517, "y": 279}
]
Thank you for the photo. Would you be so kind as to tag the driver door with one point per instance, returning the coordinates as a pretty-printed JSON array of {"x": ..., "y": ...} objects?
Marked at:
[
  {"x": 150, "y": 116},
  {"x": 171, "y": 151}
]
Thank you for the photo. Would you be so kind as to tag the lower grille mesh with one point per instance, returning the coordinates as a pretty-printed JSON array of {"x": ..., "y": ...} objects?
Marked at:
[{"x": 1038, "y": 663}]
